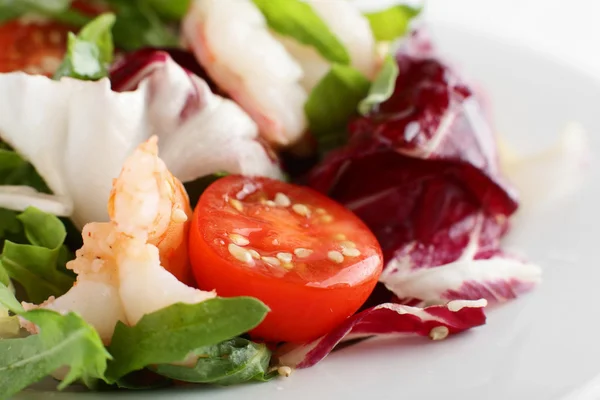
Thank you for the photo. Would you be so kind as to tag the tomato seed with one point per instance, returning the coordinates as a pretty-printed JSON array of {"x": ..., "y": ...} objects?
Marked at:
[
  {"x": 254, "y": 254},
  {"x": 240, "y": 254},
  {"x": 302, "y": 253},
  {"x": 271, "y": 260},
  {"x": 284, "y": 371},
  {"x": 439, "y": 333},
  {"x": 301, "y": 209},
  {"x": 282, "y": 200},
  {"x": 239, "y": 239},
  {"x": 326, "y": 218},
  {"x": 285, "y": 257},
  {"x": 350, "y": 252},
  {"x": 335, "y": 256},
  {"x": 340, "y": 236},
  {"x": 236, "y": 204}
]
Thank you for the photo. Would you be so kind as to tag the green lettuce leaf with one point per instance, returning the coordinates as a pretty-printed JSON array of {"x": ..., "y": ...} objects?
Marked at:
[
  {"x": 383, "y": 86},
  {"x": 299, "y": 21},
  {"x": 90, "y": 52},
  {"x": 332, "y": 103},
  {"x": 392, "y": 23},
  {"x": 63, "y": 340},
  {"x": 228, "y": 363},
  {"x": 171, "y": 334},
  {"x": 38, "y": 266},
  {"x": 139, "y": 25}
]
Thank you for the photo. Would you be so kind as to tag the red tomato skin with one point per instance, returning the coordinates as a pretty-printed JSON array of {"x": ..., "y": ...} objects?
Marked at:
[
  {"x": 299, "y": 313},
  {"x": 310, "y": 312}
]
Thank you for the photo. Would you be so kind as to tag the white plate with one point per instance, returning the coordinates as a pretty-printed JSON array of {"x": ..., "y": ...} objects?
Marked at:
[{"x": 542, "y": 346}]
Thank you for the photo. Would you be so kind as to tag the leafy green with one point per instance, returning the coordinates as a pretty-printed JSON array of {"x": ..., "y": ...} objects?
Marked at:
[
  {"x": 14, "y": 170},
  {"x": 195, "y": 188},
  {"x": 332, "y": 103},
  {"x": 392, "y": 23},
  {"x": 63, "y": 340},
  {"x": 171, "y": 9},
  {"x": 139, "y": 25},
  {"x": 9, "y": 325},
  {"x": 383, "y": 86},
  {"x": 90, "y": 52},
  {"x": 36, "y": 266},
  {"x": 228, "y": 363},
  {"x": 171, "y": 334},
  {"x": 299, "y": 21},
  {"x": 58, "y": 10},
  {"x": 4, "y": 278}
]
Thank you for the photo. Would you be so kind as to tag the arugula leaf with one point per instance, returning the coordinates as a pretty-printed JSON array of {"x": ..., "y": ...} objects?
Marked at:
[
  {"x": 228, "y": 363},
  {"x": 36, "y": 266},
  {"x": 383, "y": 86},
  {"x": 332, "y": 103},
  {"x": 171, "y": 334},
  {"x": 139, "y": 25},
  {"x": 299, "y": 21},
  {"x": 90, "y": 52},
  {"x": 63, "y": 340},
  {"x": 392, "y": 23}
]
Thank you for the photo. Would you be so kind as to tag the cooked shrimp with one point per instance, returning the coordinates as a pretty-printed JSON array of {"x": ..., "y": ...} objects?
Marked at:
[
  {"x": 149, "y": 203},
  {"x": 120, "y": 270},
  {"x": 231, "y": 40},
  {"x": 351, "y": 28}
]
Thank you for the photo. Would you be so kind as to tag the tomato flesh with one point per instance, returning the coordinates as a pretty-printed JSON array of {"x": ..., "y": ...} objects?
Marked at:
[{"x": 312, "y": 261}]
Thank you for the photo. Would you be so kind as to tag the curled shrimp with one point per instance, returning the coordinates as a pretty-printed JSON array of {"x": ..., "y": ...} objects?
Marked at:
[
  {"x": 231, "y": 40},
  {"x": 154, "y": 207},
  {"x": 121, "y": 267}
]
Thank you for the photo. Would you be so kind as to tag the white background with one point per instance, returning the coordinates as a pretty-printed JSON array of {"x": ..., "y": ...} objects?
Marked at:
[{"x": 566, "y": 29}]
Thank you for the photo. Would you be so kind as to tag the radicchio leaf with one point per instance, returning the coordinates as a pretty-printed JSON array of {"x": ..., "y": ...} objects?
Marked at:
[
  {"x": 437, "y": 322},
  {"x": 422, "y": 171}
]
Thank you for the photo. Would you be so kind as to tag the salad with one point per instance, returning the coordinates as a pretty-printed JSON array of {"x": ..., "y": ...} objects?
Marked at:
[{"x": 222, "y": 191}]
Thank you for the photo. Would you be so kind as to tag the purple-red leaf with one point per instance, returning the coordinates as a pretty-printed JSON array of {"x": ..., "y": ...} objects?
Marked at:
[
  {"x": 422, "y": 171},
  {"x": 437, "y": 322}
]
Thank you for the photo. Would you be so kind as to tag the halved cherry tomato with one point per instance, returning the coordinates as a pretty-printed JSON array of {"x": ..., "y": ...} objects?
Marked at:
[
  {"x": 38, "y": 46},
  {"x": 312, "y": 261},
  {"x": 34, "y": 47}
]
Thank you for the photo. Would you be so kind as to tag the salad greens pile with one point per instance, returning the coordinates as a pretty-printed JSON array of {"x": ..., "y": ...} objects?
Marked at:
[
  {"x": 187, "y": 342},
  {"x": 174, "y": 334}
]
